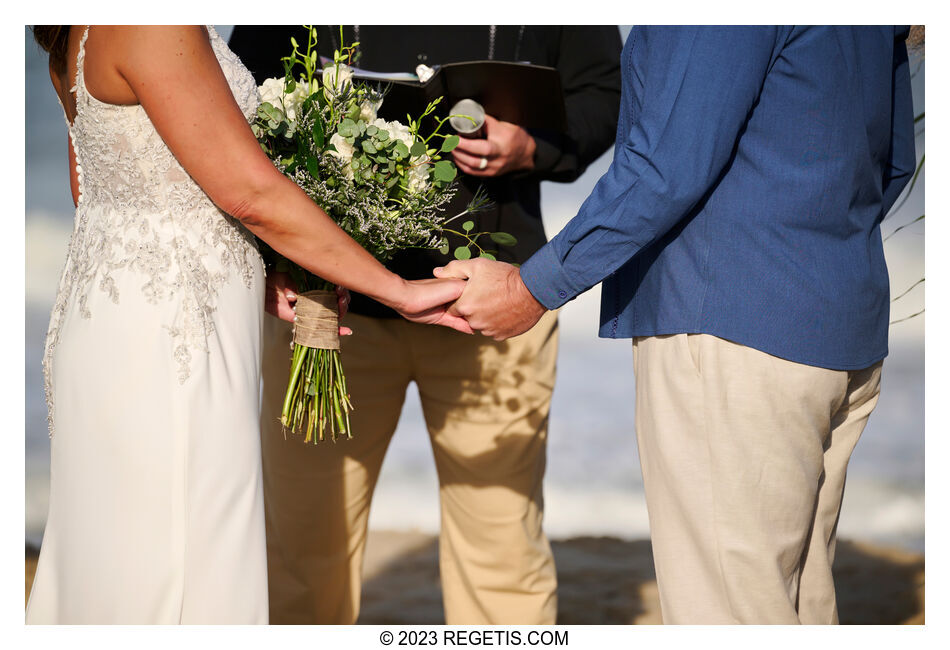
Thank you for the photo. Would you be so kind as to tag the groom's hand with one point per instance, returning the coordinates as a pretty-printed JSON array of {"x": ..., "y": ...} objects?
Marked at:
[{"x": 495, "y": 301}]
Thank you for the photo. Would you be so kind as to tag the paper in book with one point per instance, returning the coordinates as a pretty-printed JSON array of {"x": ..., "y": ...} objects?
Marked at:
[{"x": 524, "y": 94}]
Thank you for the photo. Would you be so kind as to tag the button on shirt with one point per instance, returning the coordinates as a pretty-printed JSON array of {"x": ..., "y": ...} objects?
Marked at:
[{"x": 752, "y": 169}]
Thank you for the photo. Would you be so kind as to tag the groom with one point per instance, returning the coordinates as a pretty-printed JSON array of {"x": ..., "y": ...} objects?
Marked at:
[{"x": 738, "y": 236}]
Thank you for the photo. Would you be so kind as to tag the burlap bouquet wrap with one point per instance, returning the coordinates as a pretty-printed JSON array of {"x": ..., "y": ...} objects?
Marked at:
[{"x": 317, "y": 322}]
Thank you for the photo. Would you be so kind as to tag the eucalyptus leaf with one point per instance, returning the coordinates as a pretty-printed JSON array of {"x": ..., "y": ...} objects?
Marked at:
[
  {"x": 463, "y": 253},
  {"x": 450, "y": 143},
  {"x": 417, "y": 149},
  {"x": 444, "y": 171},
  {"x": 368, "y": 146},
  {"x": 488, "y": 256},
  {"x": 444, "y": 248},
  {"x": 503, "y": 238},
  {"x": 468, "y": 225}
]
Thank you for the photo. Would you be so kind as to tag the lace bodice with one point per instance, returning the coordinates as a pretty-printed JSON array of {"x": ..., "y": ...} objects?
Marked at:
[{"x": 140, "y": 212}]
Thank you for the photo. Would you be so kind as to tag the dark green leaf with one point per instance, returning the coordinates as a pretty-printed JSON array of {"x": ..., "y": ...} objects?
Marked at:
[
  {"x": 313, "y": 166},
  {"x": 503, "y": 238},
  {"x": 319, "y": 138},
  {"x": 417, "y": 149}
]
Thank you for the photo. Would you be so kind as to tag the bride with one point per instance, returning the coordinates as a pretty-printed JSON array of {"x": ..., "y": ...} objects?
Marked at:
[{"x": 153, "y": 353}]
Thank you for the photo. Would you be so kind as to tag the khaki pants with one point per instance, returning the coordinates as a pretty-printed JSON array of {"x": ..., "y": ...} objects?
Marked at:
[
  {"x": 744, "y": 458},
  {"x": 486, "y": 407}
]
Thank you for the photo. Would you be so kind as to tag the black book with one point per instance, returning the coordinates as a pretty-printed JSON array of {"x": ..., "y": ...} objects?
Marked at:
[{"x": 521, "y": 93}]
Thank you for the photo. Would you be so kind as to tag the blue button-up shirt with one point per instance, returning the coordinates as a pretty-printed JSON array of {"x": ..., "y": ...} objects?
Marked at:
[{"x": 752, "y": 169}]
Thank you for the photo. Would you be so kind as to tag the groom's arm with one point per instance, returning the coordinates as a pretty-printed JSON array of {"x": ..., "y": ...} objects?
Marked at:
[
  {"x": 902, "y": 158},
  {"x": 692, "y": 89}
]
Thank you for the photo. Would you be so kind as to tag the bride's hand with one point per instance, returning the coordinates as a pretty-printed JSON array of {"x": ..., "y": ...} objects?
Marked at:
[
  {"x": 427, "y": 302},
  {"x": 280, "y": 296}
]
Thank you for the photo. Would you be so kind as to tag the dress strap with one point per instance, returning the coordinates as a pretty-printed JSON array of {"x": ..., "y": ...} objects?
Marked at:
[{"x": 80, "y": 57}]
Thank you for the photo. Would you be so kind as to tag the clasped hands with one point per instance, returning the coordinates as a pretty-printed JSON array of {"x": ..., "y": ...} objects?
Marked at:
[{"x": 478, "y": 295}]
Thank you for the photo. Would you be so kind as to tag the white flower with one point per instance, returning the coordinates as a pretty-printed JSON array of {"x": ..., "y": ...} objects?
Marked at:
[
  {"x": 368, "y": 110},
  {"x": 272, "y": 91},
  {"x": 336, "y": 76},
  {"x": 294, "y": 100},
  {"x": 344, "y": 151},
  {"x": 418, "y": 179},
  {"x": 418, "y": 173},
  {"x": 396, "y": 130}
]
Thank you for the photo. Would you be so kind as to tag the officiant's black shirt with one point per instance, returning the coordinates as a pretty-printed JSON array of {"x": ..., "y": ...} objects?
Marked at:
[{"x": 587, "y": 58}]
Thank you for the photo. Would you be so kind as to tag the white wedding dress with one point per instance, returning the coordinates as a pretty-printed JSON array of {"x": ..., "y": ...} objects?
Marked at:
[{"x": 152, "y": 377}]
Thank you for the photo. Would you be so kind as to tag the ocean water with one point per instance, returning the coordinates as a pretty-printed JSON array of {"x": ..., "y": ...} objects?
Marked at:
[{"x": 593, "y": 484}]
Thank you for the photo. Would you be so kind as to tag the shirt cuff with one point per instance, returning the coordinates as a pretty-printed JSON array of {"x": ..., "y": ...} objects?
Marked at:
[
  {"x": 547, "y": 153},
  {"x": 547, "y": 280}
]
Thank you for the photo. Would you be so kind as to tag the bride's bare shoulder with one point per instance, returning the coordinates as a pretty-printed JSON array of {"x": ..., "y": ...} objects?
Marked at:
[{"x": 117, "y": 55}]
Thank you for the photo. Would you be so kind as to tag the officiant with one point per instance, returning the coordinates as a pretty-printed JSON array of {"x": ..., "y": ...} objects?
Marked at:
[{"x": 485, "y": 403}]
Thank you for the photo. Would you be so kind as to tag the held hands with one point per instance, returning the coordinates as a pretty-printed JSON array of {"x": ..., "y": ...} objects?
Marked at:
[
  {"x": 427, "y": 302},
  {"x": 506, "y": 148},
  {"x": 495, "y": 301}
]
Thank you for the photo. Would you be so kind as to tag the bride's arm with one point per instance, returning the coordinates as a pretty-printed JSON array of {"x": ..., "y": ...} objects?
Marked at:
[{"x": 174, "y": 74}]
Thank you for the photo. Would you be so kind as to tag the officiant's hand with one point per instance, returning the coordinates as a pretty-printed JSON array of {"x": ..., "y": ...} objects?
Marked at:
[
  {"x": 495, "y": 301},
  {"x": 280, "y": 296},
  {"x": 505, "y": 148}
]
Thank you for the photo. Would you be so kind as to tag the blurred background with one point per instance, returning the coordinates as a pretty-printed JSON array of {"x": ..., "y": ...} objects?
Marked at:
[{"x": 593, "y": 486}]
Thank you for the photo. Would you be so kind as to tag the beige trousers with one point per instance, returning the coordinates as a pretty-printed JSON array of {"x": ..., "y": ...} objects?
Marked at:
[
  {"x": 486, "y": 407},
  {"x": 744, "y": 458}
]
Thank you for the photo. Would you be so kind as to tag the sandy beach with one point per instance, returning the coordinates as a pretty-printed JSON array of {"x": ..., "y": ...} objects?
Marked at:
[{"x": 605, "y": 580}]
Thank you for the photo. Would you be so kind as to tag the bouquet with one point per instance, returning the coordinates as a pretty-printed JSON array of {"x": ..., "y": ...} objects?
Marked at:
[{"x": 385, "y": 183}]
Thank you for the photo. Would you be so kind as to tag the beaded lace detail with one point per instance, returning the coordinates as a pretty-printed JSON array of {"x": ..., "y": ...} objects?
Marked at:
[{"x": 139, "y": 212}]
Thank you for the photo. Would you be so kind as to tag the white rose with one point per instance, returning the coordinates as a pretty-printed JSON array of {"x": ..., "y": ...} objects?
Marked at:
[
  {"x": 336, "y": 76},
  {"x": 294, "y": 100},
  {"x": 344, "y": 151},
  {"x": 272, "y": 91}
]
